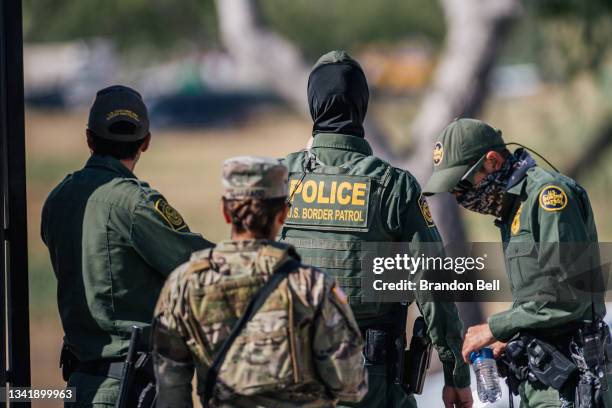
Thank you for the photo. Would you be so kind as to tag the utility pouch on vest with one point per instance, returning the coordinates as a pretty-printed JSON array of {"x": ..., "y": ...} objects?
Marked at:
[
  {"x": 68, "y": 362},
  {"x": 376, "y": 346},
  {"x": 549, "y": 365},
  {"x": 414, "y": 362},
  {"x": 590, "y": 351},
  {"x": 597, "y": 350}
]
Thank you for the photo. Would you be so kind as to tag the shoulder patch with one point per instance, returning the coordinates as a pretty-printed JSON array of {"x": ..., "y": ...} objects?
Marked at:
[
  {"x": 516, "y": 222},
  {"x": 426, "y": 211},
  {"x": 438, "y": 153},
  {"x": 170, "y": 215},
  {"x": 552, "y": 198}
]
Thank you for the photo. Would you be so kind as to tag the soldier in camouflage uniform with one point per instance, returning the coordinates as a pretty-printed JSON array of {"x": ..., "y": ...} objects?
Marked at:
[
  {"x": 301, "y": 349},
  {"x": 536, "y": 210}
]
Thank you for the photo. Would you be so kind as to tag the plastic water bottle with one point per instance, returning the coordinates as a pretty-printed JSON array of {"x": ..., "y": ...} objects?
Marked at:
[{"x": 487, "y": 379}]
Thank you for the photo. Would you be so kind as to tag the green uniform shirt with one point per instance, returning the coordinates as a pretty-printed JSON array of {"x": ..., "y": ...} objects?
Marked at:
[
  {"x": 396, "y": 212},
  {"x": 113, "y": 240},
  {"x": 547, "y": 207}
]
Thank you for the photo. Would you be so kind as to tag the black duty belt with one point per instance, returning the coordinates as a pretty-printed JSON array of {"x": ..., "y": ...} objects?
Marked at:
[
  {"x": 557, "y": 336},
  {"x": 112, "y": 368}
]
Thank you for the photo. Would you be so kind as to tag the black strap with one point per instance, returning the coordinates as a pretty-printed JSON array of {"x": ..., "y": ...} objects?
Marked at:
[{"x": 254, "y": 305}]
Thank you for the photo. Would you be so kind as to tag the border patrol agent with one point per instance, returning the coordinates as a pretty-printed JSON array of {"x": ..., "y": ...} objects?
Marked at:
[
  {"x": 112, "y": 240},
  {"x": 260, "y": 328},
  {"x": 342, "y": 195},
  {"x": 537, "y": 211}
]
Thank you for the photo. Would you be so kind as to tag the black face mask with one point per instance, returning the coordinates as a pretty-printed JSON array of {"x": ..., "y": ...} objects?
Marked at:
[
  {"x": 338, "y": 99},
  {"x": 488, "y": 196}
]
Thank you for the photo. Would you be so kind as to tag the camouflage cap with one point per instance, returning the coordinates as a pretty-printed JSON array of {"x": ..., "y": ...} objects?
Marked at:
[{"x": 254, "y": 177}]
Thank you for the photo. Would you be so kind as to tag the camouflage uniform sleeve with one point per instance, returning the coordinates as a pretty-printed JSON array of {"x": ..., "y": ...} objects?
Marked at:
[
  {"x": 160, "y": 235},
  {"x": 173, "y": 364},
  {"x": 409, "y": 217},
  {"x": 337, "y": 346},
  {"x": 551, "y": 227}
]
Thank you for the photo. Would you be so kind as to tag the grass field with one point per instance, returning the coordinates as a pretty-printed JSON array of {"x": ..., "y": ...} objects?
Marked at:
[{"x": 185, "y": 167}]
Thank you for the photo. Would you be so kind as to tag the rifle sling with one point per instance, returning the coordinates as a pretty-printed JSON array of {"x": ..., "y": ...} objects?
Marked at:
[{"x": 254, "y": 305}]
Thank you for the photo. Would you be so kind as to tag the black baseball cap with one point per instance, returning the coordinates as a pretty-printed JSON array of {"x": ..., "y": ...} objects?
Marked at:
[{"x": 118, "y": 113}]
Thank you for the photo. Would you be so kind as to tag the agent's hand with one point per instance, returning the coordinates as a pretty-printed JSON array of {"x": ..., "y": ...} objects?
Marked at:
[
  {"x": 477, "y": 337},
  {"x": 498, "y": 348},
  {"x": 457, "y": 397}
]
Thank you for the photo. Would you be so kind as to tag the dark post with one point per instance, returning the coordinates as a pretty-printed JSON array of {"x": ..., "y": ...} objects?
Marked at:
[{"x": 14, "y": 316}]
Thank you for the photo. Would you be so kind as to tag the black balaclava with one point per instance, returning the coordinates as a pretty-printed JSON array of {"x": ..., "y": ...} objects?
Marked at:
[{"x": 338, "y": 95}]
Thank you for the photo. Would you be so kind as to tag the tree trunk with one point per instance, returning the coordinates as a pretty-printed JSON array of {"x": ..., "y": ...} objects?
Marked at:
[
  {"x": 476, "y": 30},
  {"x": 269, "y": 58}
]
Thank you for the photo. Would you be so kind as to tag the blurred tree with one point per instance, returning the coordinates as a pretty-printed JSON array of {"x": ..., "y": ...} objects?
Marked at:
[
  {"x": 316, "y": 26},
  {"x": 575, "y": 35},
  {"x": 574, "y": 39},
  {"x": 157, "y": 24},
  {"x": 476, "y": 31}
]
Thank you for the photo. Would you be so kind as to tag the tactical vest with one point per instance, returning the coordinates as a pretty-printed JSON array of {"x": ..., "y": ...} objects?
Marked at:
[
  {"x": 334, "y": 211},
  {"x": 272, "y": 354}
]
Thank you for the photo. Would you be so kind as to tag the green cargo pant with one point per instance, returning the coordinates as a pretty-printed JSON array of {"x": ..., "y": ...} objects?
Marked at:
[
  {"x": 93, "y": 391},
  {"x": 535, "y": 397},
  {"x": 382, "y": 393}
]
